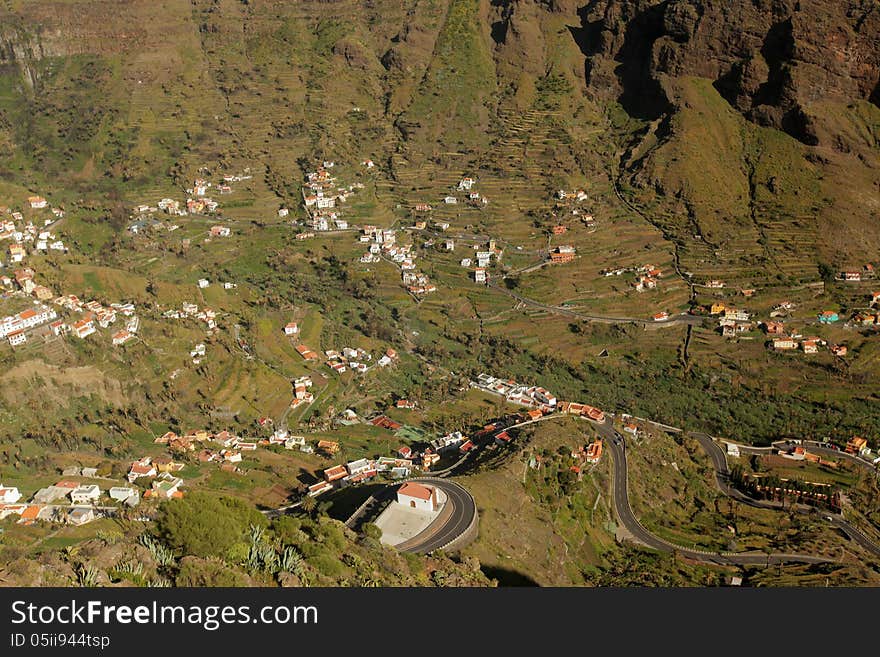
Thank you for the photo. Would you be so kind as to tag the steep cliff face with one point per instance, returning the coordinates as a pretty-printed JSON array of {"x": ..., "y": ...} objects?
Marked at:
[
  {"x": 714, "y": 82},
  {"x": 773, "y": 60}
]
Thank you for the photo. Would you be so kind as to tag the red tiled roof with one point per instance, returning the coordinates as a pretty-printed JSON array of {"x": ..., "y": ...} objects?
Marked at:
[{"x": 412, "y": 489}]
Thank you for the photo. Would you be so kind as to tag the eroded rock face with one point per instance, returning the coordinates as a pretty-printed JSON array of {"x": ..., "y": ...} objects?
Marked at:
[{"x": 773, "y": 60}]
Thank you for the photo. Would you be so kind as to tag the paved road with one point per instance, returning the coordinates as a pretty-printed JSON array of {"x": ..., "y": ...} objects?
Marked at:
[
  {"x": 602, "y": 319},
  {"x": 616, "y": 444},
  {"x": 459, "y": 513},
  {"x": 722, "y": 476}
]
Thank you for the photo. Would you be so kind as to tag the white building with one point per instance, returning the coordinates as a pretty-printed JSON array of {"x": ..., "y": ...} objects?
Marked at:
[
  {"x": 80, "y": 516},
  {"x": 121, "y": 493},
  {"x": 417, "y": 496},
  {"x": 83, "y": 328},
  {"x": 9, "y": 495},
  {"x": 17, "y": 338},
  {"x": 356, "y": 467},
  {"x": 85, "y": 494}
]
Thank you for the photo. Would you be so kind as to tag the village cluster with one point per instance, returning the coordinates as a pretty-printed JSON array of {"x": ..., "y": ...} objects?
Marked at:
[
  {"x": 465, "y": 187},
  {"x": 322, "y": 197},
  {"x": 76, "y": 503},
  {"x": 733, "y": 321},
  {"x": 23, "y": 234},
  {"x": 538, "y": 403},
  {"x": 189, "y": 310},
  {"x": 197, "y": 202},
  {"x": 383, "y": 244},
  {"x": 43, "y": 320},
  {"x": 646, "y": 276}
]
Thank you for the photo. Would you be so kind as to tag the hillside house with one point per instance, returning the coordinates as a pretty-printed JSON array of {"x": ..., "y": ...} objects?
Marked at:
[
  {"x": 784, "y": 344},
  {"x": 121, "y": 337},
  {"x": 142, "y": 468},
  {"x": 358, "y": 467},
  {"x": 83, "y": 328},
  {"x": 736, "y": 315},
  {"x": 562, "y": 254},
  {"x": 594, "y": 451},
  {"x": 291, "y": 328},
  {"x": 774, "y": 328},
  {"x": 16, "y": 252},
  {"x": 126, "y": 495},
  {"x": 417, "y": 496},
  {"x": 220, "y": 231},
  {"x": 328, "y": 447},
  {"x": 17, "y": 338},
  {"x": 85, "y": 494},
  {"x": 167, "y": 487},
  {"x": 828, "y": 317},
  {"x": 80, "y": 516},
  {"x": 37, "y": 202},
  {"x": 9, "y": 494},
  {"x": 429, "y": 459},
  {"x": 321, "y": 487},
  {"x": 857, "y": 445},
  {"x": 335, "y": 473}
]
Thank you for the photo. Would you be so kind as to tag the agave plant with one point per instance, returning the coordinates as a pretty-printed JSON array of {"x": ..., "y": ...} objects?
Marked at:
[
  {"x": 87, "y": 575},
  {"x": 161, "y": 553},
  {"x": 292, "y": 562}
]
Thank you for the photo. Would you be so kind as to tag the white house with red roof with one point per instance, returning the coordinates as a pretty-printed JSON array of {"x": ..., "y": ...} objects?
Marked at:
[
  {"x": 9, "y": 494},
  {"x": 417, "y": 496},
  {"x": 142, "y": 468},
  {"x": 83, "y": 328}
]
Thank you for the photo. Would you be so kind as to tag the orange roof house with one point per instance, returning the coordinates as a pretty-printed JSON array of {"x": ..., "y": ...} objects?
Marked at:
[
  {"x": 30, "y": 514},
  {"x": 416, "y": 490},
  {"x": 594, "y": 451},
  {"x": 856, "y": 445},
  {"x": 328, "y": 446},
  {"x": 334, "y": 473}
]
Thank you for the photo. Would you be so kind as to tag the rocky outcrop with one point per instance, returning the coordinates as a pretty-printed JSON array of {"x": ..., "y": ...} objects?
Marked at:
[{"x": 773, "y": 60}]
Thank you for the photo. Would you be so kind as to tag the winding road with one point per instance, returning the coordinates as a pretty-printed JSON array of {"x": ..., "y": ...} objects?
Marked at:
[
  {"x": 617, "y": 446},
  {"x": 693, "y": 320},
  {"x": 456, "y": 518},
  {"x": 722, "y": 476}
]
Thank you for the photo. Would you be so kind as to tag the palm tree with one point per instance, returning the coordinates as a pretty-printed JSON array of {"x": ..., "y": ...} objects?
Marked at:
[{"x": 308, "y": 504}]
